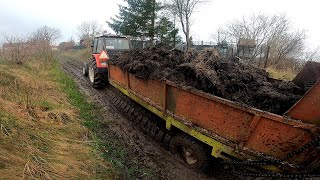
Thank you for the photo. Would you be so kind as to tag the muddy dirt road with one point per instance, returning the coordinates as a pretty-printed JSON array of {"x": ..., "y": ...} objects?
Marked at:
[{"x": 142, "y": 151}]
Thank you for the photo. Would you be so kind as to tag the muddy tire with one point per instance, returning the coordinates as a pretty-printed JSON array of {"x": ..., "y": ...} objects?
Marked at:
[
  {"x": 95, "y": 78},
  {"x": 190, "y": 151},
  {"x": 85, "y": 69}
]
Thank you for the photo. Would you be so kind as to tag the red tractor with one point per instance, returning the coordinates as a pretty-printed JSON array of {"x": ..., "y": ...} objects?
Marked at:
[{"x": 103, "y": 48}]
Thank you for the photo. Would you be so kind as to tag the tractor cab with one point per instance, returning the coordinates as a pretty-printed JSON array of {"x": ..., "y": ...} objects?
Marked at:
[
  {"x": 110, "y": 43},
  {"x": 103, "y": 48}
]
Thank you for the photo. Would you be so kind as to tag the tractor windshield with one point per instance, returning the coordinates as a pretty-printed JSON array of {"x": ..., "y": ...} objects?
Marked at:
[{"x": 117, "y": 43}]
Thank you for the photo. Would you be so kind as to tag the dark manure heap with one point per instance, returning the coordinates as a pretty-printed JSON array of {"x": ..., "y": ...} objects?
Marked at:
[{"x": 206, "y": 71}]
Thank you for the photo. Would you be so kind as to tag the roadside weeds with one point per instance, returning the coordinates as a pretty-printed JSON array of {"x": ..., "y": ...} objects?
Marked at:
[{"x": 41, "y": 134}]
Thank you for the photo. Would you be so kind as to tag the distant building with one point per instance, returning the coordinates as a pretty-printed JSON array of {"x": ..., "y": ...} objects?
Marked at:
[{"x": 245, "y": 48}]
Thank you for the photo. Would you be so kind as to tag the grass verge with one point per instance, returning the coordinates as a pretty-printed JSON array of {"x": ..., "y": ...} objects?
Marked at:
[{"x": 41, "y": 134}]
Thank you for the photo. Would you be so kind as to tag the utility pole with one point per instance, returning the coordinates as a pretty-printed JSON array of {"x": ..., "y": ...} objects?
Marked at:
[
  {"x": 174, "y": 27},
  {"x": 267, "y": 57},
  {"x": 152, "y": 34}
]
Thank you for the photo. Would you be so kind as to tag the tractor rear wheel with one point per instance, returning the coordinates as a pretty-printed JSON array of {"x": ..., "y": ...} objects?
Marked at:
[
  {"x": 96, "y": 79},
  {"x": 190, "y": 151}
]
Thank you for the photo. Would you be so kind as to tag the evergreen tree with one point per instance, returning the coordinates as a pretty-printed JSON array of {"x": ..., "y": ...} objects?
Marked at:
[
  {"x": 167, "y": 33},
  {"x": 140, "y": 19},
  {"x": 136, "y": 19}
]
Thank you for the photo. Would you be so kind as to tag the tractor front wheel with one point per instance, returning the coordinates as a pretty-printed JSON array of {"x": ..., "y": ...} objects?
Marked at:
[
  {"x": 96, "y": 79},
  {"x": 85, "y": 69}
]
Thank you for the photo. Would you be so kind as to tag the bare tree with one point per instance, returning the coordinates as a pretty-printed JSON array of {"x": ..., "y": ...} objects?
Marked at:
[
  {"x": 220, "y": 36},
  {"x": 14, "y": 48},
  {"x": 273, "y": 31},
  {"x": 311, "y": 55},
  {"x": 184, "y": 10},
  {"x": 42, "y": 41},
  {"x": 46, "y": 34},
  {"x": 88, "y": 29},
  {"x": 35, "y": 46},
  {"x": 288, "y": 45}
]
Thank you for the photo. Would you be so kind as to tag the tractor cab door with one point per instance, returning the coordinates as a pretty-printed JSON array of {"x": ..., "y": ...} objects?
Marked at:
[{"x": 98, "y": 45}]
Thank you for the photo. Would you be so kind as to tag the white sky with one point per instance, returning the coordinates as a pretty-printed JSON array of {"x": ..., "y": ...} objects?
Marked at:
[{"x": 24, "y": 16}]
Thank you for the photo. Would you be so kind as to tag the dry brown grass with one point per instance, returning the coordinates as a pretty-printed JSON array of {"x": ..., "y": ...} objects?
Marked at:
[
  {"x": 287, "y": 75},
  {"x": 41, "y": 136}
]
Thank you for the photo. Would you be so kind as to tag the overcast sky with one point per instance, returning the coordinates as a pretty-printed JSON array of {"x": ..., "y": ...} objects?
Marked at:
[{"x": 24, "y": 16}]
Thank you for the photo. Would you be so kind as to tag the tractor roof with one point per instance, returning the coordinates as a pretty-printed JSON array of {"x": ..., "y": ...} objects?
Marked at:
[{"x": 112, "y": 35}]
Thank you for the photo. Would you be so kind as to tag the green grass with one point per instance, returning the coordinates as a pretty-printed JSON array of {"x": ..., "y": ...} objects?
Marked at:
[
  {"x": 46, "y": 104},
  {"x": 3, "y": 61},
  {"x": 87, "y": 110},
  {"x": 14, "y": 130},
  {"x": 6, "y": 79},
  {"x": 7, "y": 122}
]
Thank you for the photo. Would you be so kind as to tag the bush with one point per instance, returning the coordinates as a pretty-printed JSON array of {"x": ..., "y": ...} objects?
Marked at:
[{"x": 37, "y": 46}]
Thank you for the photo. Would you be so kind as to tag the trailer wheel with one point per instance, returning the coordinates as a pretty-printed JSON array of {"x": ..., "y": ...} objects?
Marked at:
[
  {"x": 85, "y": 69},
  {"x": 95, "y": 78},
  {"x": 190, "y": 151}
]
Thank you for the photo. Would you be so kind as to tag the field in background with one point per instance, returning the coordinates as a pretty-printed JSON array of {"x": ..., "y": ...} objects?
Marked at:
[
  {"x": 83, "y": 54},
  {"x": 42, "y": 132}
]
